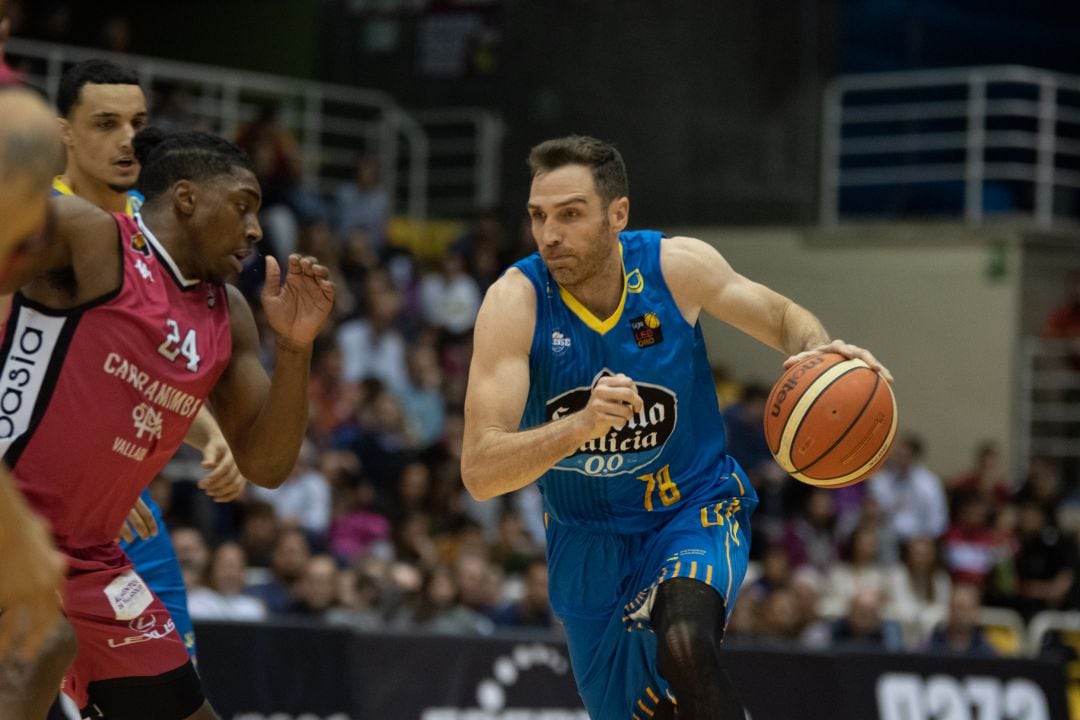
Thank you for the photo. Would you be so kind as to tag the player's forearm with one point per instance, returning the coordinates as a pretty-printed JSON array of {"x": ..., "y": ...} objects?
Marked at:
[
  {"x": 271, "y": 444},
  {"x": 500, "y": 462},
  {"x": 203, "y": 429},
  {"x": 800, "y": 330}
]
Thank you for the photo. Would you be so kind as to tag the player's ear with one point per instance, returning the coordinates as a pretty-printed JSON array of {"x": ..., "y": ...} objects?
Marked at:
[
  {"x": 619, "y": 213},
  {"x": 184, "y": 196},
  {"x": 65, "y": 130}
]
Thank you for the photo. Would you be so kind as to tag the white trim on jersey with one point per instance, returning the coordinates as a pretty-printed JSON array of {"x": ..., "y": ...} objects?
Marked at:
[{"x": 160, "y": 249}]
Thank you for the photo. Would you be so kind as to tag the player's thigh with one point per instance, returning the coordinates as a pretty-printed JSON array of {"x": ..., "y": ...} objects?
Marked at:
[{"x": 173, "y": 695}]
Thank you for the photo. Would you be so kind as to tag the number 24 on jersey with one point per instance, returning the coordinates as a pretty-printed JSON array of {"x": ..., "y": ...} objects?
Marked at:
[{"x": 174, "y": 346}]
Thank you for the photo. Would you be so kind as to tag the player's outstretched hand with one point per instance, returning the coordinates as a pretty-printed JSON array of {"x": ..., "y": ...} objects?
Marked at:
[
  {"x": 613, "y": 402},
  {"x": 223, "y": 481},
  {"x": 847, "y": 350},
  {"x": 31, "y": 577},
  {"x": 140, "y": 522},
  {"x": 297, "y": 308}
]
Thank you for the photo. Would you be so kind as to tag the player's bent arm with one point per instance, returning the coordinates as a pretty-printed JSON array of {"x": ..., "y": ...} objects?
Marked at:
[
  {"x": 263, "y": 420},
  {"x": 497, "y": 457},
  {"x": 701, "y": 279},
  {"x": 32, "y": 574}
]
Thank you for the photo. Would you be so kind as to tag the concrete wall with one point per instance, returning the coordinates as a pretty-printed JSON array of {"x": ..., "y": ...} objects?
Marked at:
[{"x": 929, "y": 308}]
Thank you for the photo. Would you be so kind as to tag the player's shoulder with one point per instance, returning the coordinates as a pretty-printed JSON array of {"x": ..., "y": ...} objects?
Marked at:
[
  {"x": 682, "y": 254},
  {"x": 511, "y": 289}
]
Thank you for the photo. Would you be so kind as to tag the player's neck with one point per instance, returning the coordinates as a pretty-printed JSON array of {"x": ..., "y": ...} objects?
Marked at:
[
  {"x": 172, "y": 238},
  {"x": 602, "y": 292},
  {"x": 94, "y": 191}
]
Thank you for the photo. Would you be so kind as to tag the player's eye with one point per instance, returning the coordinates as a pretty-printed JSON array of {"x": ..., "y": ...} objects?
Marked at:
[{"x": 106, "y": 124}]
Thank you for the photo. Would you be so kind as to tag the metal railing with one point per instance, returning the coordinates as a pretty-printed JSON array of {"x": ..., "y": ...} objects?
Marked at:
[
  {"x": 1015, "y": 126},
  {"x": 441, "y": 163},
  {"x": 1049, "y": 400}
]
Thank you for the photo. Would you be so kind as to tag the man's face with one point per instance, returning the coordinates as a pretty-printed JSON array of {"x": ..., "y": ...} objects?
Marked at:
[
  {"x": 226, "y": 223},
  {"x": 574, "y": 229},
  {"x": 99, "y": 132}
]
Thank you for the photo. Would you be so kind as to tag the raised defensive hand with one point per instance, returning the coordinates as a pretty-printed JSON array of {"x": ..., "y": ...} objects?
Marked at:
[{"x": 297, "y": 309}]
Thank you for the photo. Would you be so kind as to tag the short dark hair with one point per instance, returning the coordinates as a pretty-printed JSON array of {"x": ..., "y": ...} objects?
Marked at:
[
  {"x": 168, "y": 157},
  {"x": 97, "y": 72},
  {"x": 608, "y": 168}
]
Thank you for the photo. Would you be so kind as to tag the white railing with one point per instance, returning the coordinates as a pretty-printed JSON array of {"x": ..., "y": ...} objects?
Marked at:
[
  {"x": 334, "y": 125},
  {"x": 970, "y": 126},
  {"x": 1049, "y": 400}
]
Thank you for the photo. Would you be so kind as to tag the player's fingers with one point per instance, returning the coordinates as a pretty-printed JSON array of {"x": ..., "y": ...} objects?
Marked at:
[
  {"x": 125, "y": 534},
  {"x": 142, "y": 520},
  {"x": 222, "y": 483},
  {"x": 273, "y": 276}
]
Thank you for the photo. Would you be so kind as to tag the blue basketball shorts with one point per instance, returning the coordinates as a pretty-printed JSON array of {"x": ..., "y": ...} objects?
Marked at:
[{"x": 602, "y": 587}]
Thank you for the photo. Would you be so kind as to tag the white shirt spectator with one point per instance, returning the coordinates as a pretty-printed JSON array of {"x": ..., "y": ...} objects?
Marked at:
[
  {"x": 450, "y": 299},
  {"x": 207, "y": 604},
  {"x": 365, "y": 353},
  {"x": 914, "y": 498},
  {"x": 303, "y": 499}
]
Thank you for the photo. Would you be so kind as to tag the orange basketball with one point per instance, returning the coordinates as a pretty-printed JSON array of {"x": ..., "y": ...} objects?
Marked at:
[{"x": 830, "y": 421}]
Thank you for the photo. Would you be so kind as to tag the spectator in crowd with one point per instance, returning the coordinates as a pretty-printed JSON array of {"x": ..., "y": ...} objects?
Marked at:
[
  {"x": 317, "y": 590},
  {"x": 358, "y": 529},
  {"x": 372, "y": 346},
  {"x": 809, "y": 536},
  {"x": 780, "y": 618},
  {"x": 259, "y": 530},
  {"x": 910, "y": 493},
  {"x": 1045, "y": 564},
  {"x": 222, "y": 596},
  {"x": 863, "y": 628},
  {"x": 1063, "y": 321},
  {"x": 191, "y": 552},
  {"x": 860, "y": 570},
  {"x": 359, "y": 601},
  {"x": 919, "y": 585},
  {"x": 1042, "y": 484},
  {"x": 479, "y": 582},
  {"x": 303, "y": 500},
  {"x": 533, "y": 609},
  {"x": 288, "y": 563},
  {"x": 438, "y": 608},
  {"x": 363, "y": 205},
  {"x": 807, "y": 584},
  {"x": 775, "y": 572},
  {"x": 421, "y": 397},
  {"x": 513, "y": 550},
  {"x": 971, "y": 546},
  {"x": 986, "y": 479},
  {"x": 450, "y": 298},
  {"x": 961, "y": 633}
]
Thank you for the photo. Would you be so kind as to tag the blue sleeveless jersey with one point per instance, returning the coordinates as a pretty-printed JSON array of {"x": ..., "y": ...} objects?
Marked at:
[{"x": 673, "y": 452}]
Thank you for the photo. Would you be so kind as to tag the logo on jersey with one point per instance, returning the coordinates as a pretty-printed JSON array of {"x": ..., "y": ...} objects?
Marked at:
[
  {"x": 559, "y": 342},
  {"x": 144, "y": 270},
  {"x": 147, "y": 420},
  {"x": 646, "y": 329},
  {"x": 638, "y": 443},
  {"x": 634, "y": 282},
  {"x": 138, "y": 243}
]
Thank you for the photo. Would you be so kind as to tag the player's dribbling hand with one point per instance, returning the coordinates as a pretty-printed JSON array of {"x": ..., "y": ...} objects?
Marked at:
[
  {"x": 613, "y": 402},
  {"x": 297, "y": 309},
  {"x": 32, "y": 574},
  {"x": 847, "y": 350},
  {"x": 223, "y": 481},
  {"x": 140, "y": 522}
]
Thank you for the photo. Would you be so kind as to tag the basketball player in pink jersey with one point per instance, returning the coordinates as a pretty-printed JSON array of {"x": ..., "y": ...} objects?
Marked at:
[{"x": 119, "y": 331}]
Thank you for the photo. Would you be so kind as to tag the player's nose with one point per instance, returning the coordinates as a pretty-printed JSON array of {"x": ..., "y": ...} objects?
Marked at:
[{"x": 253, "y": 232}]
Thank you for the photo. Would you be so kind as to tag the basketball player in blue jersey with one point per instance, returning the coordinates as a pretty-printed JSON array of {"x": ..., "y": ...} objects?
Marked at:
[
  {"x": 101, "y": 108},
  {"x": 590, "y": 376}
]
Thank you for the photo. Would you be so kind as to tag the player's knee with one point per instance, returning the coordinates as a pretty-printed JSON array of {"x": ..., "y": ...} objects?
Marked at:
[{"x": 687, "y": 642}]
